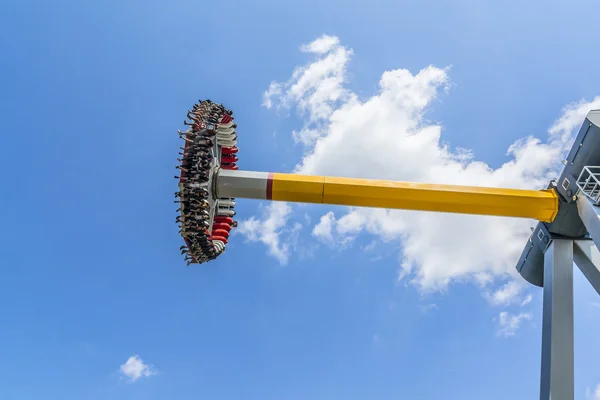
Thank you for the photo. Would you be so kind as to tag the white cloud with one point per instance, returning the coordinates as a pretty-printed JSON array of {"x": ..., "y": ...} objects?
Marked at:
[
  {"x": 134, "y": 369},
  {"x": 509, "y": 323},
  {"x": 572, "y": 117},
  {"x": 387, "y": 136},
  {"x": 322, "y": 230},
  {"x": 268, "y": 230},
  {"x": 526, "y": 300},
  {"x": 508, "y": 293},
  {"x": 321, "y": 45},
  {"x": 273, "y": 90},
  {"x": 595, "y": 395},
  {"x": 314, "y": 89}
]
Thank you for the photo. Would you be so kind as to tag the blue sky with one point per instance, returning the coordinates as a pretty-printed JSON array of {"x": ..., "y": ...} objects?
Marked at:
[{"x": 92, "y": 95}]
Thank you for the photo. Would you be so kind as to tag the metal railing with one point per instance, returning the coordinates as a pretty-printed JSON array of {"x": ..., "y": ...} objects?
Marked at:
[{"x": 588, "y": 182}]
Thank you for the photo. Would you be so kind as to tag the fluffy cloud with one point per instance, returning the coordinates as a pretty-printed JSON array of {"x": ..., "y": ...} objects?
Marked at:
[
  {"x": 321, "y": 45},
  {"x": 509, "y": 323},
  {"x": 134, "y": 369},
  {"x": 268, "y": 230},
  {"x": 508, "y": 293},
  {"x": 526, "y": 300},
  {"x": 322, "y": 230},
  {"x": 387, "y": 136},
  {"x": 593, "y": 395}
]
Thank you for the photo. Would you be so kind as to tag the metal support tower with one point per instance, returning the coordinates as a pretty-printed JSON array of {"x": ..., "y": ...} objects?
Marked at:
[
  {"x": 557, "y": 322},
  {"x": 557, "y": 366}
]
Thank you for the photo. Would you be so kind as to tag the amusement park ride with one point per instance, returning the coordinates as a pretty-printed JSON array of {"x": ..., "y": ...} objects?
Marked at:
[{"x": 568, "y": 211}]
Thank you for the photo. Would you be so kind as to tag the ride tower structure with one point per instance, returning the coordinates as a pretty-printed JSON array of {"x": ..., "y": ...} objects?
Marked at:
[{"x": 568, "y": 211}]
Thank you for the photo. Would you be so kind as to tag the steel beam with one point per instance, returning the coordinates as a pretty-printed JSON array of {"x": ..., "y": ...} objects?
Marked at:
[
  {"x": 587, "y": 258},
  {"x": 557, "y": 375},
  {"x": 590, "y": 216},
  {"x": 536, "y": 204}
]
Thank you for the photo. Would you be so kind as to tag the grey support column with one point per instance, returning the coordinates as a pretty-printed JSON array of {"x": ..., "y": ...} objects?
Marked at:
[{"x": 557, "y": 377}]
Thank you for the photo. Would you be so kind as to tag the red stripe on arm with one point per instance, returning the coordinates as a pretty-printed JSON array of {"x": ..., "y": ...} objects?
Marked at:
[{"x": 270, "y": 186}]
